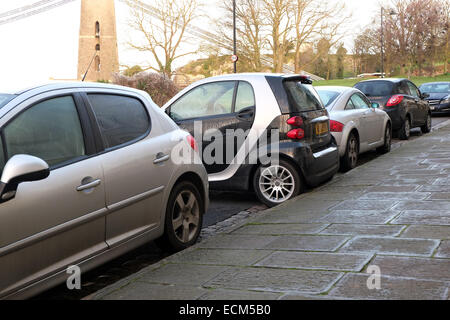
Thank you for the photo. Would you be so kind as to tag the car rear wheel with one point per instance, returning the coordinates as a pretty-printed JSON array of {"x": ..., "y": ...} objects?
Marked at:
[
  {"x": 427, "y": 126},
  {"x": 350, "y": 158},
  {"x": 277, "y": 183},
  {"x": 405, "y": 130},
  {"x": 184, "y": 218},
  {"x": 387, "y": 141}
]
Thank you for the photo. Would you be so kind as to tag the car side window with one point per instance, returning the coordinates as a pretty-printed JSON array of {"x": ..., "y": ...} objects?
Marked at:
[
  {"x": 50, "y": 130},
  {"x": 359, "y": 102},
  {"x": 210, "y": 99},
  {"x": 121, "y": 118},
  {"x": 413, "y": 90},
  {"x": 245, "y": 96},
  {"x": 349, "y": 105},
  {"x": 403, "y": 88}
]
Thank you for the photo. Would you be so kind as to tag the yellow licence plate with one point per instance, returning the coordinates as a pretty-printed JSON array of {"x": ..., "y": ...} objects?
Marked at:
[{"x": 321, "y": 128}]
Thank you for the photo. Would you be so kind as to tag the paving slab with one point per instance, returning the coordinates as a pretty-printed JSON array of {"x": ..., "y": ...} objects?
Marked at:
[
  {"x": 148, "y": 291},
  {"x": 182, "y": 274},
  {"x": 395, "y": 195},
  {"x": 439, "y": 196},
  {"x": 428, "y": 217},
  {"x": 316, "y": 261},
  {"x": 392, "y": 189},
  {"x": 275, "y": 280},
  {"x": 444, "y": 251},
  {"x": 363, "y": 229},
  {"x": 418, "y": 268},
  {"x": 224, "y": 294},
  {"x": 423, "y": 205},
  {"x": 226, "y": 257},
  {"x": 392, "y": 288},
  {"x": 364, "y": 205},
  {"x": 281, "y": 229},
  {"x": 427, "y": 232},
  {"x": 293, "y": 217},
  {"x": 391, "y": 246},
  {"x": 226, "y": 241},
  {"x": 359, "y": 216},
  {"x": 307, "y": 243}
]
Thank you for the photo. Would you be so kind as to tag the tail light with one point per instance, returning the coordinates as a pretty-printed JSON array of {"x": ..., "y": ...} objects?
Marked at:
[
  {"x": 336, "y": 126},
  {"x": 192, "y": 143},
  {"x": 394, "y": 100},
  {"x": 296, "y": 134},
  {"x": 295, "y": 121}
]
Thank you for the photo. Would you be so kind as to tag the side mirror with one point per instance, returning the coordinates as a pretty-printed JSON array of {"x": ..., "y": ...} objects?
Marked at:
[
  {"x": 425, "y": 95},
  {"x": 21, "y": 168},
  {"x": 375, "y": 105}
]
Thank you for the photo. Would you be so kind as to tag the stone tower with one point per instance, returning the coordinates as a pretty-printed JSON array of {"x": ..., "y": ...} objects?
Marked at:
[{"x": 98, "y": 40}]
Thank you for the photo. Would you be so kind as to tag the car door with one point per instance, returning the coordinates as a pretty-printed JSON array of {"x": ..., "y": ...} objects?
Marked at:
[
  {"x": 420, "y": 104},
  {"x": 135, "y": 162},
  {"x": 59, "y": 221},
  {"x": 209, "y": 113},
  {"x": 370, "y": 130}
]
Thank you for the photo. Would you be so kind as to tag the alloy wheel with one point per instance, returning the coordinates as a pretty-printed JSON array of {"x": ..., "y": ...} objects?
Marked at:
[
  {"x": 407, "y": 128},
  {"x": 185, "y": 216},
  {"x": 353, "y": 152},
  {"x": 276, "y": 183}
]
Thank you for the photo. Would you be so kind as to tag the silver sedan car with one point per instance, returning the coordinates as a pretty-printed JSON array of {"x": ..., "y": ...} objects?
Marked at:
[
  {"x": 89, "y": 172},
  {"x": 357, "y": 125}
]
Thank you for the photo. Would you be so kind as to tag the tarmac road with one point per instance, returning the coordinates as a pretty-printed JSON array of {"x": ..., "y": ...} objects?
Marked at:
[{"x": 223, "y": 205}]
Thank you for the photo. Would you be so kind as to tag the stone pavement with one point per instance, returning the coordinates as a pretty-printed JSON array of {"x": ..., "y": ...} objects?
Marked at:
[{"x": 393, "y": 213}]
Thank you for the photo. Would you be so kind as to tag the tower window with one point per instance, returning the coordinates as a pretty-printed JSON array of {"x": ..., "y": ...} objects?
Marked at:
[
  {"x": 97, "y": 63},
  {"x": 97, "y": 47},
  {"x": 97, "y": 29}
]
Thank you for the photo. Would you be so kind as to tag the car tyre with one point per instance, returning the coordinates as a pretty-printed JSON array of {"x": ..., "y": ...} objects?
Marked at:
[
  {"x": 386, "y": 148},
  {"x": 350, "y": 158},
  {"x": 426, "y": 128},
  {"x": 405, "y": 130},
  {"x": 184, "y": 218},
  {"x": 277, "y": 183}
]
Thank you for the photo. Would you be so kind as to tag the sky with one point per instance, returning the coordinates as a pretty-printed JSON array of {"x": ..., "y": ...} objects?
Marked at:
[{"x": 45, "y": 46}]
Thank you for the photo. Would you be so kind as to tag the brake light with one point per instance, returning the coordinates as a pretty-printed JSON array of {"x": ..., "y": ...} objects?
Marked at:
[
  {"x": 295, "y": 121},
  {"x": 296, "y": 134},
  {"x": 336, "y": 126},
  {"x": 192, "y": 143},
  {"x": 394, "y": 100}
]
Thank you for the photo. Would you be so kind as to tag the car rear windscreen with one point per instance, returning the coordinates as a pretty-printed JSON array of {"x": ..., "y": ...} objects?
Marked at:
[
  {"x": 328, "y": 97},
  {"x": 376, "y": 88},
  {"x": 5, "y": 98},
  {"x": 302, "y": 97}
]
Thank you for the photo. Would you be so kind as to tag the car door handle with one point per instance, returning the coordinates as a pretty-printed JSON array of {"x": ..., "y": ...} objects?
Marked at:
[
  {"x": 161, "y": 157},
  {"x": 89, "y": 185},
  {"x": 246, "y": 114}
]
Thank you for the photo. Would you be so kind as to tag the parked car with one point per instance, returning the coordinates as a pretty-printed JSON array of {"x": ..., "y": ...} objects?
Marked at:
[
  {"x": 86, "y": 177},
  {"x": 257, "y": 104},
  {"x": 402, "y": 101},
  {"x": 439, "y": 96},
  {"x": 357, "y": 124}
]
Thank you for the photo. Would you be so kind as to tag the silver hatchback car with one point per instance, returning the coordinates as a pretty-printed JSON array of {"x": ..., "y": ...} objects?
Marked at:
[{"x": 89, "y": 173}]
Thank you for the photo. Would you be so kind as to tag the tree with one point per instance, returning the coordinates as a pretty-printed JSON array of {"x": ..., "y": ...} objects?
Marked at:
[
  {"x": 315, "y": 19},
  {"x": 341, "y": 53},
  {"x": 163, "y": 31},
  {"x": 129, "y": 72}
]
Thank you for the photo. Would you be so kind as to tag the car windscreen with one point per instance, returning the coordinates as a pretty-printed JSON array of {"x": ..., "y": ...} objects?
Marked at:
[
  {"x": 302, "y": 97},
  {"x": 376, "y": 88},
  {"x": 435, "y": 88},
  {"x": 5, "y": 98},
  {"x": 327, "y": 96}
]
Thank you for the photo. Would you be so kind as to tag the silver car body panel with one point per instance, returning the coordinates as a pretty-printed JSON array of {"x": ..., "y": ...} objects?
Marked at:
[
  {"x": 52, "y": 224},
  {"x": 369, "y": 123}
]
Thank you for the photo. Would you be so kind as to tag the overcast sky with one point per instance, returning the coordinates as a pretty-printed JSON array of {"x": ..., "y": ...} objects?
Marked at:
[{"x": 46, "y": 45}]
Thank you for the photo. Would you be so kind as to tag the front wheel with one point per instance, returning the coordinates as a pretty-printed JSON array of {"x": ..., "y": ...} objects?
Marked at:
[
  {"x": 427, "y": 126},
  {"x": 184, "y": 218},
  {"x": 275, "y": 184}
]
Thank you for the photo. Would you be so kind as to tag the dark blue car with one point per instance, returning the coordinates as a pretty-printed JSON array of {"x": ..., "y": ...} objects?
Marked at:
[{"x": 439, "y": 98}]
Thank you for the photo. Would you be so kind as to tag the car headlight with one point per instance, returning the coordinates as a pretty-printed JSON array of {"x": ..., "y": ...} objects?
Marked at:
[{"x": 445, "y": 100}]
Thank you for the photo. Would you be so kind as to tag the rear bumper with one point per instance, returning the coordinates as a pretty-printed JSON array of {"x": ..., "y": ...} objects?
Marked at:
[{"x": 397, "y": 117}]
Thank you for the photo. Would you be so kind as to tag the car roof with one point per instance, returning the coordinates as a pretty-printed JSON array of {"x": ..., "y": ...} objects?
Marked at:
[
  {"x": 47, "y": 86},
  {"x": 394, "y": 80}
]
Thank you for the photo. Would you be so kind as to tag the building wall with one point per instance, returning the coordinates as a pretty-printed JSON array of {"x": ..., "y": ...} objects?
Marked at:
[{"x": 103, "y": 12}]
